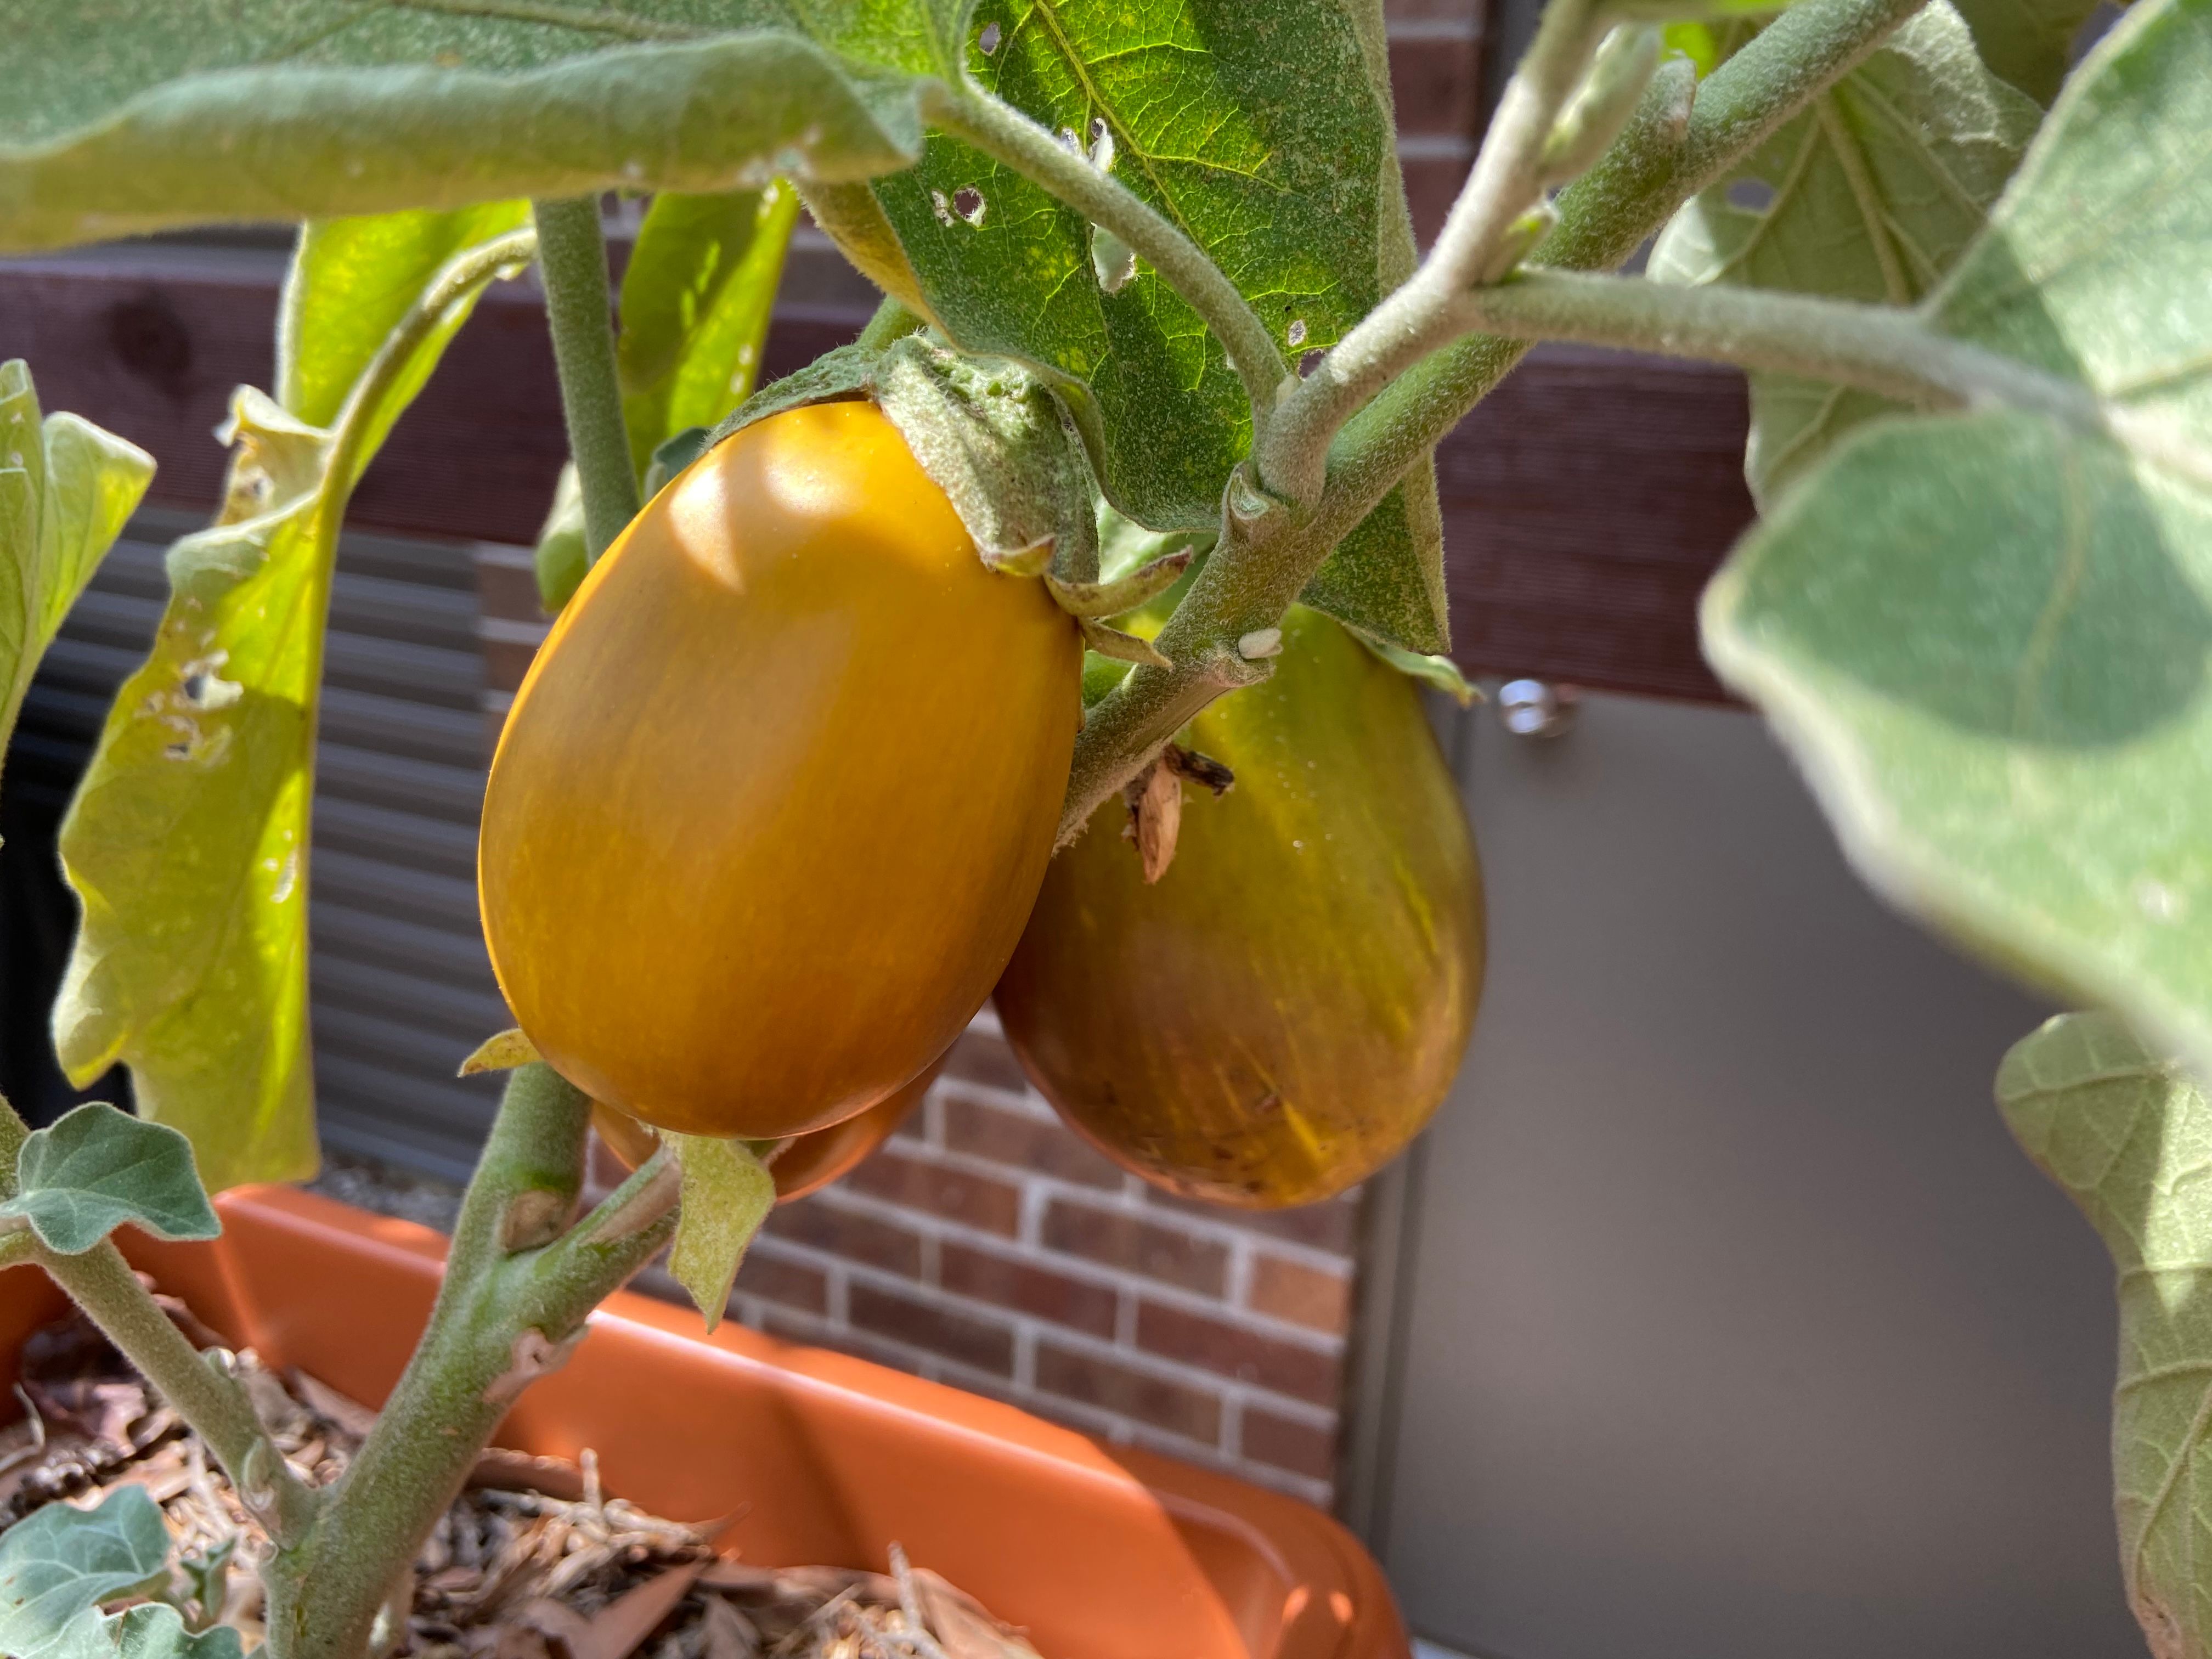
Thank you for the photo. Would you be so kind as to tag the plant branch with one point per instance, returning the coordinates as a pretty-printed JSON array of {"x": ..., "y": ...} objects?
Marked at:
[
  {"x": 1879, "y": 349},
  {"x": 1007, "y": 136},
  {"x": 1506, "y": 182},
  {"x": 571, "y": 258},
  {"x": 1669, "y": 150},
  {"x": 101, "y": 1282},
  {"x": 512, "y": 1307}
]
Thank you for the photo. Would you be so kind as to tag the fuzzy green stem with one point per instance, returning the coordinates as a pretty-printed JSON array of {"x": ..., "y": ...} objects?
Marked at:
[
  {"x": 892, "y": 321},
  {"x": 571, "y": 258},
  {"x": 514, "y": 1299},
  {"x": 1878, "y": 349},
  {"x": 1007, "y": 136},
  {"x": 1666, "y": 154},
  {"x": 1506, "y": 182},
  {"x": 101, "y": 1282}
]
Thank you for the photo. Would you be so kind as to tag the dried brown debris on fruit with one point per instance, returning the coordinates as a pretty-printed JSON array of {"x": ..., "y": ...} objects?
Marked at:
[{"x": 532, "y": 1561}]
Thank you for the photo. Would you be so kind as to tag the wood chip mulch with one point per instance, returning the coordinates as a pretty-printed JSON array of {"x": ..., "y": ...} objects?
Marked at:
[{"x": 532, "y": 1561}]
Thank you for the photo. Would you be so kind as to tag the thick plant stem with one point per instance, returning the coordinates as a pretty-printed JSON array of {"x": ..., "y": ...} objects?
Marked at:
[
  {"x": 892, "y": 321},
  {"x": 513, "y": 1306},
  {"x": 572, "y": 257},
  {"x": 1007, "y": 136},
  {"x": 1670, "y": 150},
  {"x": 101, "y": 1282}
]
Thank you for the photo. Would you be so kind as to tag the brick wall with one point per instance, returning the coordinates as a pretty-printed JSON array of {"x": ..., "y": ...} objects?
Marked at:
[{"x": 1435, "y": 80}]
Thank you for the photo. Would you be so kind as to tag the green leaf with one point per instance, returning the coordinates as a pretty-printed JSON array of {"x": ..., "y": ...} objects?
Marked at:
[
  {"x": 66, "y": 488},
  {"x": 80, "y": 1178},
  {"x": 123, "y": 120},
  {"x": 2127, "y": 1135},
  {"x": 695, "y": 299},
  {"x": 156, "y": 1631},
  {"x": 1872, "y": 194},
  {"x": 60, "y": 1561},
  {"x": 187, "y": 843},
  {"x": 727, "y": 1193},
  {"x": 2028, "y": 42},
  {"x": 1988, "y": 637},
  {"x": 1263, "y": 134}
]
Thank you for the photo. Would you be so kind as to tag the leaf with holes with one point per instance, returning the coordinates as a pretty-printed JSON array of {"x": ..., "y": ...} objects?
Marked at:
[
  {"x": 81, "y": 1177},
  {"x": 1260, "y": 132},
  {"x": 66, "y": 488},
  {"x": 1988, "y": 637},
  {"x": 60, "y": 1562},
  {"x": 187, "y": 843},
  {"x": 2127, "y": 1135},
  {"x": 123, "y": 119},
  {"x": 1872, "y": 194},
  {"x": 727, "y": 1192}
]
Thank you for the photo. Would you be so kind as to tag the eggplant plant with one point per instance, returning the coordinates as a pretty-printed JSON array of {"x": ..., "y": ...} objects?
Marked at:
[{"x": 1148, "y": 265}]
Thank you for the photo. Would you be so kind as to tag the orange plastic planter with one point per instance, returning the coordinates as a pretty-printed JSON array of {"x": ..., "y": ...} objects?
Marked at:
[{"x": 1101, "y": 1552}]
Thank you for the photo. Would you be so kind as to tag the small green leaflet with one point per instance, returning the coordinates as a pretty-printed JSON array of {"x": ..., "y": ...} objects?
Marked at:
[
  {"x": 1872, "y": 194},
  {"x": 125, "y": 120},
  {"x": 1988, "y": 637},
  {"x": 2127, "y": 1135},
  {"x": 187, "y": 843},
  {"x": 66, "y": 488},
  {"x": 80, "y": 1179},
  {"x": 60, "y": 1562},
  {"x": 727, "y": 1193}
]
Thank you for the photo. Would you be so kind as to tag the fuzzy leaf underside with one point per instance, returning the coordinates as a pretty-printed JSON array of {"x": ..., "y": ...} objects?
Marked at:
[
  {"x": 727, "y": 1192},
  {"x": 58, "y": 1564},
  {"x": 2127, "y": 1135},
  {"x": 128, "y": 118},
  {"x": 1872, "y": 194},
  {"x": 66, "y": 490},
  {"x": 1988, "y": 637},
  {"x": 84, "y": 1176},
  {"x": 187, "y": 844}
]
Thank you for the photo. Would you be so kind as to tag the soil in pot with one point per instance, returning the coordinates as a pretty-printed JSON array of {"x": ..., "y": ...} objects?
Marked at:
[{"x": 532, "y": 1561}]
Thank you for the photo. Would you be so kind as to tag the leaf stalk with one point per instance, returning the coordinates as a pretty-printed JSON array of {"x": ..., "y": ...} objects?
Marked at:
[{"x": 572, "y": 259}]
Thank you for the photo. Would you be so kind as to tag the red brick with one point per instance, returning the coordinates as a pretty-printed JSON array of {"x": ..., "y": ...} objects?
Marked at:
[
  {"x": 1212, "y": 1345},
  {"x": 1026, "y": 1289},
  {"x": 896, "y": 1178},
  {"x": 843, "y": 1232},
  {"x": 1434, "y": 83},
  {"x": 1330, "y": 1225},
  {"x": 507, "y": 589},
  {"x": 792, "y": 1283},
  {"x": 983, "y": 1344},
  {"x": 1304, "y": 1296},
  {"x": 1177, "y": 1407},
  {"x": 1025, "y": 1143},
  {"x": 506, "y": 661},
  {"x": 979, "y": 1057},
  {"x": 1281, "y": 1442},
  {"x": 1119, "y": 1239}
]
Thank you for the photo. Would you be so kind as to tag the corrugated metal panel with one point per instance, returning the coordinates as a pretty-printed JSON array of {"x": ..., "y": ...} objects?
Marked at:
[{"x": 400, "y": 985}]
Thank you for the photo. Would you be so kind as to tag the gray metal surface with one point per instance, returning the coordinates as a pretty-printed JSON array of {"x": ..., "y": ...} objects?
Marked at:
[
  {"x": 400, "y": 986},
  {"x": 1733, "y": 1325}
]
